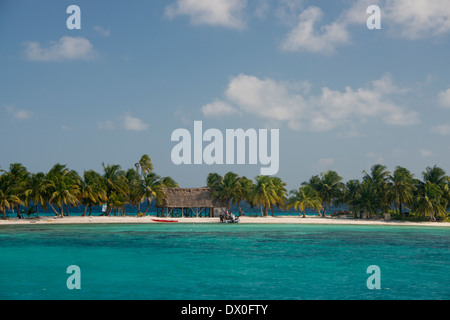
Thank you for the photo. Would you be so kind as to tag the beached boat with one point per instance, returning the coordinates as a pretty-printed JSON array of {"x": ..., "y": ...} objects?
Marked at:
[{"x": 164, "y": 220}]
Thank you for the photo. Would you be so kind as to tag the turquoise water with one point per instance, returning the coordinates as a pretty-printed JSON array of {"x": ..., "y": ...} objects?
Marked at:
[{"x": 209, "y": 261}]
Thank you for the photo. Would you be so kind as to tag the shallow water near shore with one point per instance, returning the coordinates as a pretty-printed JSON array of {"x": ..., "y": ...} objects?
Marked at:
[{"x": 214, "y": 261}]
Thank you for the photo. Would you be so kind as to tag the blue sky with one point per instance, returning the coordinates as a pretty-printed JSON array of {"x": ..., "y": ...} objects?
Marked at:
[{"x": 343, "y": 97}]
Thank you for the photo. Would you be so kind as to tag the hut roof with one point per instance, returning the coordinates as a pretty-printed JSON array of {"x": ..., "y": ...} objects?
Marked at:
[{"x": 189, "y": 198}]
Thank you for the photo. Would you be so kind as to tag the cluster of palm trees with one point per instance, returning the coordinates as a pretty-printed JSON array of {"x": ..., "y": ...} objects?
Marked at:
[
  {"x": 61, "y": 188},
  {"x": 379, "y": 191},
  {"x": 265, "y": 193}
]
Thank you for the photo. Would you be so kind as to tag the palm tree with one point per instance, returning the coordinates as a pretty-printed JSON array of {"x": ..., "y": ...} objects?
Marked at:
[
  {"x": 366, "y": 199},
  {"x": 379, "y": 179},
  {"x": 242, "y": 192},
  {"x": 429, "y": 201},
  {"x": 303, "y": 198},
  {"x": 279, "y": 188},
  {"x": 7, "y": 197},
  {"x": 17, "y": 176},
  {"x": 36, "y": 191},
  {"x": 401, "y": 189},
  {"x": 145, "y": 165},
  {"x": 115, "y": 182},
  {"x": 435, "y": 175},
  {"x": 116, "y": 201},
  {"x": 214, "y": 180},
  {"x": 328, "y": 186},
  {"x": 64, "y": 193},
  {"x": 228, "y": 188},
  {"x": 92, "y": 190},
  {"x": 263, "y": 193},
  {"x": 352, "y": 187},
  {"x": 153, "y": 188},
  {"x": 134, "y": 183},
  {"x": 246, "y": 190}
]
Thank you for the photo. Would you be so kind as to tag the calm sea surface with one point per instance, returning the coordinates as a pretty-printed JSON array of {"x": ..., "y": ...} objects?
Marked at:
[{"x": 209, "y": 261}]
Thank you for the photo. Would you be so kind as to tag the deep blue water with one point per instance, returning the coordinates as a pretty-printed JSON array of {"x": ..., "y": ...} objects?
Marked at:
[{"x": 209, "y": 261}]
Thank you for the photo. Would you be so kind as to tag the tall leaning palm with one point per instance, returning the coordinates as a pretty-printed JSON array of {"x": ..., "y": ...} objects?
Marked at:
[{"x": 144, "y": 165}]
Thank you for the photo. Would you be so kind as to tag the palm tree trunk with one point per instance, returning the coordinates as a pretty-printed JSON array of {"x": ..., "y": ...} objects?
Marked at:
[
  {"x": 54, "y": 210},
  {"x": 18, "y": 211},
  {"x": 4, "y": 214},
  {"x": 304, "y": 214},
  {"x": 148, "y": 206},
  {"x": 85, "y": 210},
  {"x": 90, "y": 210}
]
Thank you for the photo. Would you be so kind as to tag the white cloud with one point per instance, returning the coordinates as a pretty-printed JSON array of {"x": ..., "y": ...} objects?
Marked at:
[
  {"x": 103, "y": 31},
  {"x": 223, "y": 13},
  {"x": 290, "y": 103},
  {"x": 218, "y": 109},
  {"x": 444, "y": 98},
  {"x": 19, "y": 114},
  {"x": 305, "y": 36},
  {"x": 443, "y": 129},
  {"x": 134, "y": 124},
  {"x": 66, "y": 48},
  {"x": 417, "y": 19},
  {"x": 409, "y": 19}
]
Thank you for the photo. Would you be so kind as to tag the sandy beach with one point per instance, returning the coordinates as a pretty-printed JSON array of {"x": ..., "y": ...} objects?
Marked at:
[{"x": 244, "y": 219}]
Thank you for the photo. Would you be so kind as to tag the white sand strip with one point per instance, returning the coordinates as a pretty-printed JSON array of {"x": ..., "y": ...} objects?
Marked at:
[{"x": 245, "y": 219}]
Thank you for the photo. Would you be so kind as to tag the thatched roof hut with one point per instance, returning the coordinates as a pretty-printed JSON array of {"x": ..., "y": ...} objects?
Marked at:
[
  {"x": 189, "y": 198},
  {"x": 191, "y": 201}
]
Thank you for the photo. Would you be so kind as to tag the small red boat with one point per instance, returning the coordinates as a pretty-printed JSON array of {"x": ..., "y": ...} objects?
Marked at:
[{"x": 164, "y": 220}]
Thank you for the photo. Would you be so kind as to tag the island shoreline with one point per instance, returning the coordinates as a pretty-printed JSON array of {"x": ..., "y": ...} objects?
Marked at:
[{"x": 207, "y": 220}]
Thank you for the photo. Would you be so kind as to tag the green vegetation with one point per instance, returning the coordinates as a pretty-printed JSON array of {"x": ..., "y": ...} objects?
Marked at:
[
  {"x": 61, "y": 188},
  {"x": 379, "y": 191}
]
